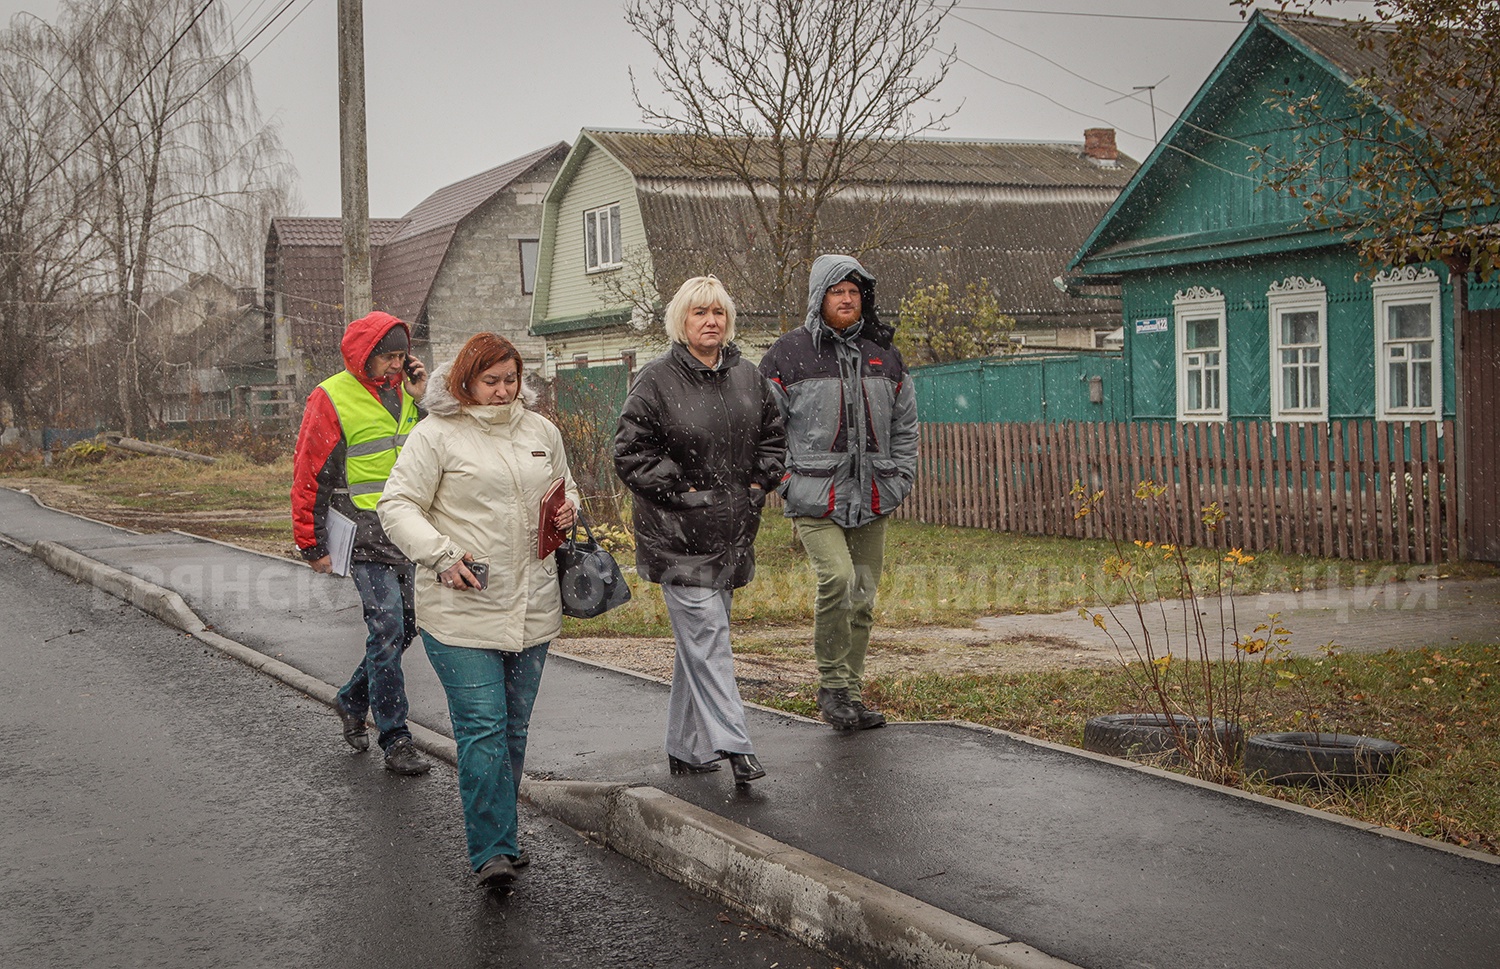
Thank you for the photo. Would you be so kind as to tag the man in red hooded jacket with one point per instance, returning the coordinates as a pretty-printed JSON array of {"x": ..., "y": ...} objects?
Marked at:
[{"x": 353, "y": 428}]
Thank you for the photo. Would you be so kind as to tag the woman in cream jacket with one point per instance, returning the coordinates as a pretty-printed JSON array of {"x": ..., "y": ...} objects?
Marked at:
[{"x": 468, "y": 488}]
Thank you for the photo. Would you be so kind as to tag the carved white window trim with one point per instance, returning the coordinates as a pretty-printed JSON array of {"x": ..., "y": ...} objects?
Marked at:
[
  {"x": 1409, "y": 285},
  {"x": 1297, "y": 295},
  {"x": 1199, "y": 303}
]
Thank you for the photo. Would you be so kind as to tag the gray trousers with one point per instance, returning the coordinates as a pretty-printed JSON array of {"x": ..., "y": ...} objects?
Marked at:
[{"x": 705, "y": 713}]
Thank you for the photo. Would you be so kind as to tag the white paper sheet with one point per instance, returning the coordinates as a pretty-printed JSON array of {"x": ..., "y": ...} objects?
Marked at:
[{"x": 340, "y": 540}]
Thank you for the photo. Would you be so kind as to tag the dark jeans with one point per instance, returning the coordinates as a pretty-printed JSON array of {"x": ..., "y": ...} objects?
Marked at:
[{"x": 378, "y": 685}]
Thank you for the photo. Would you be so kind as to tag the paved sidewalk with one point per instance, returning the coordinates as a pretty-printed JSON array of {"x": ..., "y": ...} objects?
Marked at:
[
  {"x": 1393, "y": 609},
  {"x": 1090, "y": 860}
]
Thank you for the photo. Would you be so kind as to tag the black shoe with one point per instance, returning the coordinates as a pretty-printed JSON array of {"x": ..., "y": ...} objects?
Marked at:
[
  {"x": 746, "y": 768},
  {"x": 868, "y": 719},
  {"x": 683, "y": 767},
  {"x": 401, "y": 757},
  {"x": 836, "y": 709},
  {"x": 521, "y": 860},
  {"x": 355, "y": 734},
  {"x": 498, "y": 872}
]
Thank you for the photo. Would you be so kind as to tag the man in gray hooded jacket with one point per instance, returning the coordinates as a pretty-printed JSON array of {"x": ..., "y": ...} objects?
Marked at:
[{"x": 851, "y": 430}]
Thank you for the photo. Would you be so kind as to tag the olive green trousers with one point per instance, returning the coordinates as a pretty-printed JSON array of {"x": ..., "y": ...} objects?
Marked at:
[{"x": 847, "y": 563}]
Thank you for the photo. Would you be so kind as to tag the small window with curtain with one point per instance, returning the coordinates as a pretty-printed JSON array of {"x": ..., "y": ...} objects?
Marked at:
[
  {"x": 1199, "y": 316},
  {"x": 1299, "y": 378},
  {"x": 1408, "y": 362}
]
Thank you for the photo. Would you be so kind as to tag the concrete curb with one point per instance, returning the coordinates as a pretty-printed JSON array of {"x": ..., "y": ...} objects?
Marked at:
[
  {"x": 799, "y": 894},
  {"x": 822, "y": 905}
]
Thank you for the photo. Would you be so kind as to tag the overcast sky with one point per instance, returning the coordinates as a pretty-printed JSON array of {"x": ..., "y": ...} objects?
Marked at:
[{"x": 454, "y": 87}]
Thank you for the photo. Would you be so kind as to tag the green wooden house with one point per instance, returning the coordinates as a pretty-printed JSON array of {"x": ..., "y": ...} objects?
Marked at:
[
  {"x": 1232, "y": 307},
  {"x": 1235, "y": 310}
]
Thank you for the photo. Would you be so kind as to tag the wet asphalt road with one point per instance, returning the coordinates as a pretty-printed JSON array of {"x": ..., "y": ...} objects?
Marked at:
[{"x": 163, "y": 806}]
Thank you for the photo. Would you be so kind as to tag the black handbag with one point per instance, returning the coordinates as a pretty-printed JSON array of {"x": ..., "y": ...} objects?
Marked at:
[{"x": 591, "y": 581}]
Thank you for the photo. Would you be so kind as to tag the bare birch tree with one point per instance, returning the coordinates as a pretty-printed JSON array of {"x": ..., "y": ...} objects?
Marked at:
[
  {"x": 44, "y": 241},
  {"x": 791, "y": 101},
  {"x": 180, "y": 164}
]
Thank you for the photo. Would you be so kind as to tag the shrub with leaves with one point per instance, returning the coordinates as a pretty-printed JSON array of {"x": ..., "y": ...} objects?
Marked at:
[
  {"x": 939, "y": 326},
  {"x": 1203, "y": 666}
]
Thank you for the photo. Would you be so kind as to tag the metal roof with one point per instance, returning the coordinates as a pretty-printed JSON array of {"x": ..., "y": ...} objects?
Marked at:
[{"x": 1017, "y": 240}]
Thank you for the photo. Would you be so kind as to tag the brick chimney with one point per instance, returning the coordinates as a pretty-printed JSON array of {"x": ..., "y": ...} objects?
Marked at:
[{"x": 1099, "y": 145}]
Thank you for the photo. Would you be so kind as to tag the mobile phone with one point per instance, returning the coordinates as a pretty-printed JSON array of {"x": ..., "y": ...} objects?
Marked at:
[
  {"x": 481, "y": 573},
  {"x": 410, "y": 365}
]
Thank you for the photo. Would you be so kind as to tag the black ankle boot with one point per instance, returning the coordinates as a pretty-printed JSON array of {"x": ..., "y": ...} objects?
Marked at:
[
  {"x": 683, "y": 767},
  {"x": 746, "y": 768}
]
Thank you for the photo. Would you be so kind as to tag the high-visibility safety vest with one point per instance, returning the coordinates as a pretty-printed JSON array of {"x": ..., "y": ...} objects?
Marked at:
[{"x": 372, "y": 437}]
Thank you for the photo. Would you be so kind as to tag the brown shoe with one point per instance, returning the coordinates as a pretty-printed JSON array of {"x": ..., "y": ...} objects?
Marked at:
[
  {"x": 355, "y": 734},
  {"x": 401, "y": 757}
]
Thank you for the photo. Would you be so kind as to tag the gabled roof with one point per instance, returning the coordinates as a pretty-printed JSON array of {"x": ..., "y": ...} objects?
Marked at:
[
  {"x": 305, "y": 255},
  {"x": 409, "y": 262},
  {"x": 932, "y": 161},
  {"x": 1350, "y": 52}
]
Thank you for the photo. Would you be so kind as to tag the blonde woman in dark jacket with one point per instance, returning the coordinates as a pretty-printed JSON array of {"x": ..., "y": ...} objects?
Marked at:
[{"x": 699, "y": 442}]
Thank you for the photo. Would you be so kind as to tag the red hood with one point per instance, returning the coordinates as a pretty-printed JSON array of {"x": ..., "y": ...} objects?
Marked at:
[{"x": 362, "y": 336}]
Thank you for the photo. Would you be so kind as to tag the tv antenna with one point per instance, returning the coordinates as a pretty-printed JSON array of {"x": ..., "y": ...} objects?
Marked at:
[{"x": 1150, "y": 90}]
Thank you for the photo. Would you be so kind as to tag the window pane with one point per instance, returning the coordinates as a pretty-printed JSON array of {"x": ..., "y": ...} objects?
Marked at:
[
  {"x": 1299, "y": 328},
  {"x": 591, "y": 240},
  {"x": 1289, "y": 388},
  {"x": 1412, "y": 321},
  {"x": 529, "y": 250},
  {"x": 1397, "y": 386},
  {"x": 614, "y": 234},
  {"x": 1421, "y": 378},
  {"x": 1211, "y": 390},
  {"x": 1202, "y": 333},
  {"x": 1312, "y": 397}
]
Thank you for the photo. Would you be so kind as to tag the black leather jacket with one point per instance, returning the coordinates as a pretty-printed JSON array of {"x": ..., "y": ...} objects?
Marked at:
[{"x": 690, "y": 443}]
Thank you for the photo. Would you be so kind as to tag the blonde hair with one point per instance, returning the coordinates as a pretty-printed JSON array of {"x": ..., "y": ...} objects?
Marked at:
[{"x": 698, "y": 291}]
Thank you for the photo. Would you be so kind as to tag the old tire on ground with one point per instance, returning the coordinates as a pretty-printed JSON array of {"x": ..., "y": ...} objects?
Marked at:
[
  {"x": 1324, "y": 759},
  {"x": 1148, "y": 736}
]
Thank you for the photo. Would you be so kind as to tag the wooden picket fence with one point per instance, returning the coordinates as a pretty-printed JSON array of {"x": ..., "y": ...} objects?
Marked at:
[{"x": 1359, "y": 489}]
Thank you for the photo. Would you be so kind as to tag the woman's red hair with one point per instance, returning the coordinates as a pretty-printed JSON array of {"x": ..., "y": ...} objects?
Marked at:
[{"x": 482, "y": 352}]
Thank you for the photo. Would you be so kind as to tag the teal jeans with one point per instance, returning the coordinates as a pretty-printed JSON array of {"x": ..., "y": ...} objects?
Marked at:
[
  {"x": 490, "y": 696},
  {"x": 847, "y": 563}
]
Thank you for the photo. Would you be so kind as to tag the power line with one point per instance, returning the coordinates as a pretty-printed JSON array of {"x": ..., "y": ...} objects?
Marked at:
[
  {"x": 233, "y": 55},
  {"x": 128, "y": 95},
  {"x": 1103, "y": 16},
  {"x": 1107, "y": 121}
]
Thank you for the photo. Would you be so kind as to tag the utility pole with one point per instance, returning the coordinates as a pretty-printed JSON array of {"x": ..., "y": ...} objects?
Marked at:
[{"x": 353, "y": 160}]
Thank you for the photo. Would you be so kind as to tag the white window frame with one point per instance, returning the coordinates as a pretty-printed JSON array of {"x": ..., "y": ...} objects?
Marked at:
[
  {"x": 1297, "y": 295},
  {"x": 1199, "y": 303},
  {"x": 1405, "y": 287},
  {"x": 601, "y": 239}
]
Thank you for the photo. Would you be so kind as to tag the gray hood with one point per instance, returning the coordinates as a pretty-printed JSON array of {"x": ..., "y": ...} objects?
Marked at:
[{"x": 830, "y": 269}]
